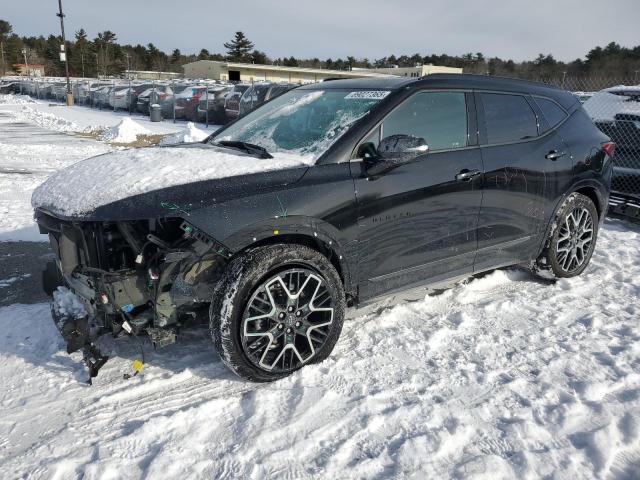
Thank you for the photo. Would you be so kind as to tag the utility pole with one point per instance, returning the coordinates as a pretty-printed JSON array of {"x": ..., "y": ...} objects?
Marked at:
[
  {"x": 64, "y": 53},
  {"x": 26, "y": 64},
  {"x": 2, "y": 56},
  {"x": 128, "y": 67}
]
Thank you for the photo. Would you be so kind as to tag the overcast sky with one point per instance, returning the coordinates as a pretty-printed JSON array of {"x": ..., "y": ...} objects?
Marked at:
[{"x": 518, "y": 29}]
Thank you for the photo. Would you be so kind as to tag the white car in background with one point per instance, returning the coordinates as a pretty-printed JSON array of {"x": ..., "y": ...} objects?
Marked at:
[{"x": 616, "y": 112}]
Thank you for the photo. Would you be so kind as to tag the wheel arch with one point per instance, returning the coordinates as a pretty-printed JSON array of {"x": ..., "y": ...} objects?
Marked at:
[
  {"x": 591, "y": 189},
  {"x": 316, "y": 236}
]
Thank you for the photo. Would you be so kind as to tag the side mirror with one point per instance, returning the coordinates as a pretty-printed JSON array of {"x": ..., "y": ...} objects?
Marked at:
[
  {"x": 402, "y": 147},
  {"x": 394, "y": 151}
]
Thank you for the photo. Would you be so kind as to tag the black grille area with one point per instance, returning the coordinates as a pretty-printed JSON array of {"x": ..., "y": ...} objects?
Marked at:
[{"x": 89, "y": 244}]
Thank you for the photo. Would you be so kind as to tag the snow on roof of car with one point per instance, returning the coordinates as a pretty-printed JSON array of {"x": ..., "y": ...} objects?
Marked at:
[{"x": 604, "y": 105}]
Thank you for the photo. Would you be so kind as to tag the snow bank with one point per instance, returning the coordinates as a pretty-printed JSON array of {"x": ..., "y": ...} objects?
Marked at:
[
  {"x": 127, "y": 131},
  {"x": 10, "y": 99},
  {"x": 101, "y": 180},
  {"x": 190, "y": 134},
  {"x": 49, "y": 121}
]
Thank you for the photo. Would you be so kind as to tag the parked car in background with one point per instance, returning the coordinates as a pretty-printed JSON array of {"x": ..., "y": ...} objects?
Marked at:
[
  {"x": 186, "y": 102},
  {"x": 232, "y": 101},
  {"x": 119, "y": 97},
  {"x": 10, "y": 87},
  {"x": 616, "y": 111},
  {"x": 583, "y": 96},
  {"x": 59, "y": 91},
  {"x": 151, "y": 96},
  {"x": 259, "y": 93},
  {"x": 100, "y": 96},
  {"x": 330, "y": 196},
  {"x": 211, "y": 105}
]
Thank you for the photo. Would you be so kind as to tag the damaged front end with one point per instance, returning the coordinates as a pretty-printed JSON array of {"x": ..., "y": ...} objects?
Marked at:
[{"x": 132, "y": 277}]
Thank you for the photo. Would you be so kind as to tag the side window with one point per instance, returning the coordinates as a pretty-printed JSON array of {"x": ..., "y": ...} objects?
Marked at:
[
  {"x": 551, "y": 111},
  {"x": 438, "y": 117},
  {"x": 508, "y": 118}
]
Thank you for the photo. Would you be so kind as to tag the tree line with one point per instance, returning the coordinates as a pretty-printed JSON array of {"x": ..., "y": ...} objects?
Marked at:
[{"x": 105, "y": 56}]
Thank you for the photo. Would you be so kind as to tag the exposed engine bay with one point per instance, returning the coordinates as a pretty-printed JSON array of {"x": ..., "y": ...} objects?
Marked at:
[{"x": 148, "y": 276}]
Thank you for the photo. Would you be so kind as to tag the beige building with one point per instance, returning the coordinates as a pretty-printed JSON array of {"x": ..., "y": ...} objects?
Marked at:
[
  {"x": 250, "y": 72},
  {"x": 417, "y": 71},
  {"x": 150, "y": 75},
  {"x": 30, "y": 70}
]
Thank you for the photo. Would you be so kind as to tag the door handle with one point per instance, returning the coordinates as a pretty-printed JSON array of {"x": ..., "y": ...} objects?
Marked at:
[
  {"x": 467, "y": 175},
  {"x": 554, "y": 155}
]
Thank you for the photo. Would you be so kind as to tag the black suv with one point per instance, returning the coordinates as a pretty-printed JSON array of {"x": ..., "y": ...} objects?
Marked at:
[{"x": 330, "y": 196}]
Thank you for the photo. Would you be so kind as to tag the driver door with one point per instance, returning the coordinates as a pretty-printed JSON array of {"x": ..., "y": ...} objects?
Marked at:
[{"x": 418, "y": 221}]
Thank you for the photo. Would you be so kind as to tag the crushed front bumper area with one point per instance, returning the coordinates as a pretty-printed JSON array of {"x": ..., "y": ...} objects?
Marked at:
[
  {"x": 76, "y": 327},
  {"x": 128, "y": 279}
]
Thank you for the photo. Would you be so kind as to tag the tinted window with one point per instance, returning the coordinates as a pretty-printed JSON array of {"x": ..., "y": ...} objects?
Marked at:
[
  {"x": 553, "y": 114},
  {"x": 438, "y": 117},
  {"x": 508, "y": 118}
]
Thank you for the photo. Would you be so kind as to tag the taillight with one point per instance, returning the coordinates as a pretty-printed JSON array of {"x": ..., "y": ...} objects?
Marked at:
[{"x": 609, "y": 148}]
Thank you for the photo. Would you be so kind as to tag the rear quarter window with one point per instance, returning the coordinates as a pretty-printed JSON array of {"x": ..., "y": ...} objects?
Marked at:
[
  {"x": 508, "y": 118},
  {"x": 551, "y": 111}
]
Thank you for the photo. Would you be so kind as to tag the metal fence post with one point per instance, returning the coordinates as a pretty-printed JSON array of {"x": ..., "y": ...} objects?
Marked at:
[
  {"x": 173, "y": 97},
  {"x": 206, "y": 107},
  {"x": 130, "y": 96}
]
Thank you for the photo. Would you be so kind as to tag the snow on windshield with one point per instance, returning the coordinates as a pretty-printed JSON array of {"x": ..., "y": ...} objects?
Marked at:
[{"x": 302, "y": 122}]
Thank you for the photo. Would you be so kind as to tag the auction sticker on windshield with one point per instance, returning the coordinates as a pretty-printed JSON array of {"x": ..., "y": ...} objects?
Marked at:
[{"x": 369, "y": 95}]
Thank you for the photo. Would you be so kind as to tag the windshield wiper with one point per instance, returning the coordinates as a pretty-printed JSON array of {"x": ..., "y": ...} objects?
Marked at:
[{"x": 249, "y": 148}]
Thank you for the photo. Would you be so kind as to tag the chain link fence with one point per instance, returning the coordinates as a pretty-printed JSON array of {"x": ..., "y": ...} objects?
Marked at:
[{"x": 614, "y": 106}]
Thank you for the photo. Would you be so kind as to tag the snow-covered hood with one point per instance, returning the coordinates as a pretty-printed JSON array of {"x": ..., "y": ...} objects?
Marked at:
[{"x": 140, "y": 183}]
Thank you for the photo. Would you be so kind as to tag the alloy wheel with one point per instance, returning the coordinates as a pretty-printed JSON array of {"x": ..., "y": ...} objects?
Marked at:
[
  {"x": 574, "y": 239},
  {"x": 287, "y": 320}
]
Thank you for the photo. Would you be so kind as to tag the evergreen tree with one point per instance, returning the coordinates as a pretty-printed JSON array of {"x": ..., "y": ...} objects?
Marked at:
[
  {"x": 5, "y": 31},
  {"x": 259, "y": 57},
  {"x": 79, "y": 59},
  {"x": 239, "y": 49}
]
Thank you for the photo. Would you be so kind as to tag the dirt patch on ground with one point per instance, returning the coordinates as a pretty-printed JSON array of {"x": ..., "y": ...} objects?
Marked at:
[{"x": 142, "y": 141}]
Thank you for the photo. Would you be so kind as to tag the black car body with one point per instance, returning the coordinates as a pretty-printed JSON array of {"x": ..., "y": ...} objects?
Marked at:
[
  {"x": 259, "y": 93},
  {"x": 410, "y": 182}
]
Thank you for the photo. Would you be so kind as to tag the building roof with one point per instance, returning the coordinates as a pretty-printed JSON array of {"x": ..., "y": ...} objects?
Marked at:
[{"x": 282, "y": 68}]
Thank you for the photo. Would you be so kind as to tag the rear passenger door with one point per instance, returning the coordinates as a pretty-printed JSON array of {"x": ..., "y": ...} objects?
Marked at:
[{"x": 514, "y": 150}]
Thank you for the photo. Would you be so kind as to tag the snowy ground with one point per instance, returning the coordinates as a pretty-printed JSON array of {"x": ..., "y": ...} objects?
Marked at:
[{"x": 503, "y": 376}]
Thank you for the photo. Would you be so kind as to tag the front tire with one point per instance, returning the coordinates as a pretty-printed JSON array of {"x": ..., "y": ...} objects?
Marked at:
[
  {"x": 277, "y": 309},
  {"x": 572, "y": 241}
]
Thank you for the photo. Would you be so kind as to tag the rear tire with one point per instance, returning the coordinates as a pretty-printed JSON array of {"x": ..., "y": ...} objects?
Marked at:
[
  {"x": 276, "y": 309},
  {"x": 572, "y": 240}
]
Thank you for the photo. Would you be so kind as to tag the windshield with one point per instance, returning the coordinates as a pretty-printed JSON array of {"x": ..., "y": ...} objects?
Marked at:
[{"x": 304, "y": 122}]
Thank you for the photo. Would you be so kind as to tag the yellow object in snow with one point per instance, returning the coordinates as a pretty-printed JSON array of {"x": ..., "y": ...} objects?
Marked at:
[{"x": 138, "y": 365}]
